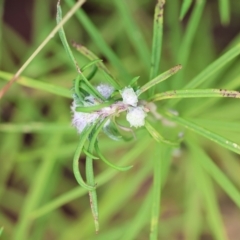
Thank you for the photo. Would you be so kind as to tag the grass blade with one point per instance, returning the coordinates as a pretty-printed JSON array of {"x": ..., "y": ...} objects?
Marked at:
[
  {"x": 156, "y": 41},
  {"x": 35, "y": 127},
  {"x": 210, "y": 201},
  {"x": 156, "y": 135},
  {"x": 159, "y": 78},
  {"x": 210, "y": 167},
  {"x": 206, "y": 133},
  {"x": 35, "y": 84},
  {"x": 99, "y": 41},
  {"x": 188, "y": 38},
  {"x": 91, "y": 56},
  {"x": 94, "y": 108},
  {"x": 90, "y": 174},
  {"x": 185, "y": 7},
  {"x": 109, "y": 163},
  {"x": 101, "y": 179},
  {"x": 224, "y": 9},
  {"x": 77, "y": 174},
  {"x": 195, "y": 93},
  {"x": 63, "y": 37},
  {"x": 214, "y": 67},
  {"x": 133, "y": 32},
  {"x": 41, "y": 46},
  {"x": 160, "y": 155}
]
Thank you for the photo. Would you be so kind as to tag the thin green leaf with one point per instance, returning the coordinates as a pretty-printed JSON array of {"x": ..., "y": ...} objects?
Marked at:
[
  {"x": 91, "y": 56},
  {"x": 95, "y": 107},
  {"x": 195, "y": 93},
  {"x": 185, "y": 7},
  {"x": 206, "y": 133},
  {"x": 40, "y": 47},
  {"x": 211, "y": 69},
  {"x": 90, "y": 173},
  {"x": 134, "y": 81},
  {"x": 93, "y": 31},
  {"x": 109, "y": 163},
  {"x": 1, "y": 231},
  {"x": 35, "y": 127},
  {"x": 102, "y": 179},
  {"x": 77, "y": 87},
  {"x": 63, "y": 37},
  {"x": 159, "y": 78},
  {"x": 77, "y": 174},
  {"x": 70, "y": 54},
  {"x": 89, "y": 154},
  {"x": 204, "y": 183},
  {"x": 93, "y": 62},
  {"x": 158, "y": 159},
  {"x": 209, "y": 165},
  {"x": 35, "y": 84},
  {"x": 156, "y": 135},
  {"x": 156, "y": 41},
  {"x": 134, "y": 33},
  {"x": 224, "y": 9},
  {"x": 188, "y": 39},
  {"x": 88, "y": 87}
]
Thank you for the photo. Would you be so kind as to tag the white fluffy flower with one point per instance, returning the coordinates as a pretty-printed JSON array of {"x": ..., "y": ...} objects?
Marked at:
[
  {"x": 129, "y": 96},
  {"x": 136, "y": 117},
  {"x": 105, "y": 90}
]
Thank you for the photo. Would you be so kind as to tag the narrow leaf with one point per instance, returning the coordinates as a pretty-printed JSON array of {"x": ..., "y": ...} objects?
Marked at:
[
  {"x": 90, "y": 173},
  {"x": 224, "y": 9},
  {"x": 91, "y": 56},
  {"x": 89, "y": 154},
  {"x": 205, "y": 185},
  {"x": 35, "y": 84},
  {"x": 206, "y": 133},
  {"x": 195, "y": 93},
  {"x": 157, "y": 41},
  {"x": 77, "y": 174},
  {"x": 63, "y": 37},
  {"x": 95, "y": 107},
  {"x": 185, "y": 7},
  {"x": 156, "y": 135},
  {"x": 209, "y": 165},
  {"x": 96, "y": 36},
  {"x": 159, "y": 78},
  {"x": 109, "y": 163}
]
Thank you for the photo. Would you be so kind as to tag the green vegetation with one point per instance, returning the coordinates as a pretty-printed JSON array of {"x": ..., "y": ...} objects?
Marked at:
[{"x": 159, "y": 143}]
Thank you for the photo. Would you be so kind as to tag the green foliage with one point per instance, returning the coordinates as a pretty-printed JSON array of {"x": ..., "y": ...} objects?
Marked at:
[{"x": 187, "y": 148}]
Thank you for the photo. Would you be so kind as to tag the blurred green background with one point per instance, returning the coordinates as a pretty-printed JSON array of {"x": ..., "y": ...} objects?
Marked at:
[{"x": 40, "y": 199}]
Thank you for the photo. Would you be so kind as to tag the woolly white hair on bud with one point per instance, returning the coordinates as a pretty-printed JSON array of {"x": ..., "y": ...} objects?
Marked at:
[
  {"x": 81, "y": 120},
  {"x": 136, "y": 117},
  {"x": 105, "y": 90},
  {"x": 129, "y": 96}
]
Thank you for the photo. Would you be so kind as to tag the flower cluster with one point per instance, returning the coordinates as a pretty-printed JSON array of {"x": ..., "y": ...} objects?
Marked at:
[{"x": 129, "y": 103}]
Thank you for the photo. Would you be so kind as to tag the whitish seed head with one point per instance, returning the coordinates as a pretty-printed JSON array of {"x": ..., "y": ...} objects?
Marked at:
[{"x": 129, "y": 96}]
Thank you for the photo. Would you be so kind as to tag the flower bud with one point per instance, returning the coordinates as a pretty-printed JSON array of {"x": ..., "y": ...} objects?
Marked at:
[
  {"x": 136, "y": 117},
  {"x": 129, "y": 96}
]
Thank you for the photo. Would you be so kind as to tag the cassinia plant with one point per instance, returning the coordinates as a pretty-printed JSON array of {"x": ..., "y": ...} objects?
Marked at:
[
  {"x": 97, "y": 108},
  {"x": 121, "y": 110}
]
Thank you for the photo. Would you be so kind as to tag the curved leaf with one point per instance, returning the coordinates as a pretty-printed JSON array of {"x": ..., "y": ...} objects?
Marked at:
[{"x": 109, "y": 163}]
